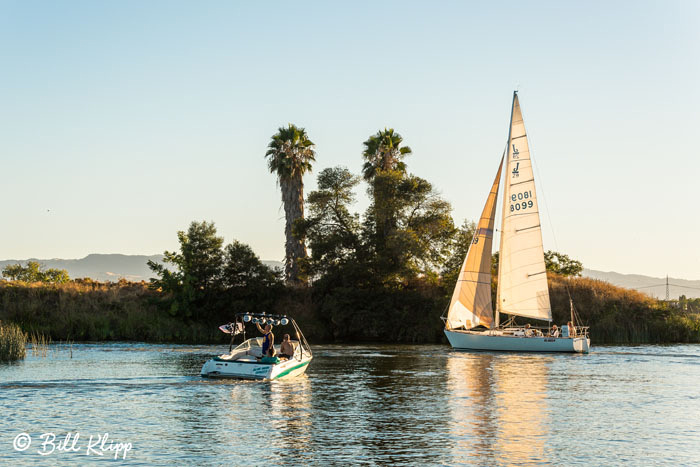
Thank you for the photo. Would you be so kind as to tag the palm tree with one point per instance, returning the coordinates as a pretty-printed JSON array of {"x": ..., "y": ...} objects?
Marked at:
[
  {"x": 289, "y": 155},
  {"x": 384, "y": 169},
  {"x": 383, "y": 153}
]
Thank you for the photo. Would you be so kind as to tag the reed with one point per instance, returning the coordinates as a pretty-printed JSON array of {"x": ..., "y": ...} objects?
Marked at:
[
  {"x": 40, "y": 344},
  {"x": 12, "y": 342}
]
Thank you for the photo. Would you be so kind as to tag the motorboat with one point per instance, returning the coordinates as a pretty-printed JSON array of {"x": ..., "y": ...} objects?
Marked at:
[{"x": 246, "y": 360}]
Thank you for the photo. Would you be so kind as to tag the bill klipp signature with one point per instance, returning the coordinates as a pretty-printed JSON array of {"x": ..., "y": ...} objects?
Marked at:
[{"x": 96, "y": 445}]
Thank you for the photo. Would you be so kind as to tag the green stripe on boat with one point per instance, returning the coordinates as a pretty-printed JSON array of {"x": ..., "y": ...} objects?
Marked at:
[{"x": 289, "y": 370}]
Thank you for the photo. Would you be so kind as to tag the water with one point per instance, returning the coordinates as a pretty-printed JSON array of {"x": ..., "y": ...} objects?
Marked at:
[{"x": 412, "y": 405}]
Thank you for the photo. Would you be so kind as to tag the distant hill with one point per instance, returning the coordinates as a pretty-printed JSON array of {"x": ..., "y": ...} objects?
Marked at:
[
  {"x": 100, "y": 267},
  {"x": 654, "y": 286},
  {"x": 107, "y": 267}
]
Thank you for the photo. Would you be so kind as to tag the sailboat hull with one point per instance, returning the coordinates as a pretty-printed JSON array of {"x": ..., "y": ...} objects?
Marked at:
[{"x": 491, "y": 340}]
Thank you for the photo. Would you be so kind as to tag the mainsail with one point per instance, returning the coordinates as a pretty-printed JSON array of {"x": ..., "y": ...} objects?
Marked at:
[
  {"x": 522, "y": 277},
  {"x": 471, "y": 299}
]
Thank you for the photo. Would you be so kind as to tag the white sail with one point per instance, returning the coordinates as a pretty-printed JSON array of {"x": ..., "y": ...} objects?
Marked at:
[
  {"x": 522, "y": 277},
  {"x": 471, "y": 300}
]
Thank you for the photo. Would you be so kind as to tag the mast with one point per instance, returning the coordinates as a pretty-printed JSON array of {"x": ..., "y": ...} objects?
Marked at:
[{"x": 503, "y": 216}]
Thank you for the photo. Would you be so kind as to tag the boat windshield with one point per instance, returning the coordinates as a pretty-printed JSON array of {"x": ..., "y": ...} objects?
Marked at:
[{"x": 253, "y": 343}]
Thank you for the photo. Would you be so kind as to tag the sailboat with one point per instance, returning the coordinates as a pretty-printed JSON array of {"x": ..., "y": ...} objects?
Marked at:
[{"x": 522, "y": 291}]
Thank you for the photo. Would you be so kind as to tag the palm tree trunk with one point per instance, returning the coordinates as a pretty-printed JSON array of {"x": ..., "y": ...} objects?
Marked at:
[{"x": 295, "y": 248}]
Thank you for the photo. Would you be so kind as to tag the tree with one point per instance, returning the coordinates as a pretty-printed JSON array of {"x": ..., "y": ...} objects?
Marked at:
[
  {"x": 197, "y": 268},
  {"x": 383, "y": 152},
  {"x": 384, "y": 169},
  {"x": 561, "y": 264},
  {"x": 35, "y": 272},
  {"x": 332, "y": 230},
  {"x": 290, "y": 154},
  {"x": 249, "y": 285},
  {"x": 243, "y": 269}
]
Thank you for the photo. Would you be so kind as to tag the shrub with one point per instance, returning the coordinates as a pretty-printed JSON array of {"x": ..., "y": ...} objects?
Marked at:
[{"x": 12, "y": 342}]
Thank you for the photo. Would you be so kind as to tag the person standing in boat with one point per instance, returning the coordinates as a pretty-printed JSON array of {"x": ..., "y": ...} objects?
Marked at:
[{"x": 268, "y": 338}]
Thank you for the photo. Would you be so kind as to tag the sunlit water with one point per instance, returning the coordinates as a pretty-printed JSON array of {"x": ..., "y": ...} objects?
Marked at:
[{"x": 412, "y": 405}]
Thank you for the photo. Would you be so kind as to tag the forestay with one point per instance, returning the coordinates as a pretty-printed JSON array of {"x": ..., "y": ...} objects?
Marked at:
[
  {"x": 522, "y": 277},
  {"x": 471, "y": 300}
]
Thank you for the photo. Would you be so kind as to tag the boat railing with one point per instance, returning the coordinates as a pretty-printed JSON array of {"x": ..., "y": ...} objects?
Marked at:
[{"x": 543, "y": 331}]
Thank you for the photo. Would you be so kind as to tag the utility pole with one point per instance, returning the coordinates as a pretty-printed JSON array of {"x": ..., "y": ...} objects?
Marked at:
[{"x": 667, "y": 287}]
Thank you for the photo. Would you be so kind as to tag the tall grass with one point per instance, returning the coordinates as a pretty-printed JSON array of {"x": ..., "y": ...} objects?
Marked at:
[
  {"x": 40, "y": 344},
  {"x": 92, "y": 311},
  {"x": 620, "y": 316},
  {"x": 12, "y": 342}
]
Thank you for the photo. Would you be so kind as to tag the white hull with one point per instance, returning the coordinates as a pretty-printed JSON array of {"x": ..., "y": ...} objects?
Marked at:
[
  {"x": 221, "y": 368},
  {"x": 493, "y": 340}
]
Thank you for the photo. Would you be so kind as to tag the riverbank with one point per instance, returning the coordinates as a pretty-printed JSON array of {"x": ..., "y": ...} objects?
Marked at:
[{"x": 128, "y": 311}]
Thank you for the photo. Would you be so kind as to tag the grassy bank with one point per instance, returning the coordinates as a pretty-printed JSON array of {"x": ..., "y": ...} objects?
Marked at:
[
  {"x": 621, "y": 316},
  {"x": 80, "y": 311},
  {"x": 12, "y": 342}
]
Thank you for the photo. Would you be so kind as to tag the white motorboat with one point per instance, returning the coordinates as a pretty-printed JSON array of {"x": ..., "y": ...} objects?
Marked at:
[
  {"x": 246, "y": 361},
  {"x": 522, "y": 277}
]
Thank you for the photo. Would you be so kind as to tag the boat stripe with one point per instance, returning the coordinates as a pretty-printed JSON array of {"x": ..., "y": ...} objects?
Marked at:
[{"x": 289, "y": 370}]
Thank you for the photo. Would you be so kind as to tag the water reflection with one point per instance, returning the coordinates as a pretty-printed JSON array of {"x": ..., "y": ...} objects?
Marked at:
[
  {"x": 289, "y": 403},
  {"x": 499, "y": 407}
]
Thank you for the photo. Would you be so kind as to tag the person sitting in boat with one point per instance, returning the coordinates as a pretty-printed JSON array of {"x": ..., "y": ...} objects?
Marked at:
[
  {"x": 554, "y": 332},
  {"x": 286, "y": 348},
  {"x": 572, "y": 329},
  {"x": 528, "y": 331},
  {"x": 268, "y": 338}
]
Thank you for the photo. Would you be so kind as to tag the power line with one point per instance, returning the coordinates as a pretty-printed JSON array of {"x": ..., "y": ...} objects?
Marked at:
[{"x": 664, "y": 284}]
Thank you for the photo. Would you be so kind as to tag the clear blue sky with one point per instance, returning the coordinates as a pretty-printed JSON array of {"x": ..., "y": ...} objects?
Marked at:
[{"x": 123, "y": 121}]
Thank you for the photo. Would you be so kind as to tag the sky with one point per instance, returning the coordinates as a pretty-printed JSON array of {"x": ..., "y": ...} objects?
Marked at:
[{"x": 123, "y": 121}]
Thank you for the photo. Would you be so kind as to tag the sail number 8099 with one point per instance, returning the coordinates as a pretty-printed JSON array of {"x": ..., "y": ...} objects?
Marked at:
[{"x": 521, "y": 201}]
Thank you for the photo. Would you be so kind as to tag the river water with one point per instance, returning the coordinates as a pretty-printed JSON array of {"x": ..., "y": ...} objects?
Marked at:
[{"x": 375, "y": 405}]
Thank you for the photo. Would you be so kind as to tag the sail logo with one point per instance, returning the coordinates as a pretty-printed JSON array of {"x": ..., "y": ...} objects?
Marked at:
[
  {"x": 516, "y": 171},
  {"x": 516, "y": 153}
]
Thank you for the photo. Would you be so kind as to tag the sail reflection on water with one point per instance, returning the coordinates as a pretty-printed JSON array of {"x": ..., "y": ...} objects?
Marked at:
[
  {"x": 520, "y": 403},
  {"x": 499, "y": 408},
  {"x": 470, "y": 390}
]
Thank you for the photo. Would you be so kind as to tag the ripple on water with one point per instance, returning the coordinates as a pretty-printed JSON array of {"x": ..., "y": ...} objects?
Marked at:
[{"x": 405, "y": 405}]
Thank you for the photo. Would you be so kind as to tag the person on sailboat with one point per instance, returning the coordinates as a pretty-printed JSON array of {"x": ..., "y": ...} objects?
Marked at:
[
  {"x": 554, "y": 332},
  {"x": 268, "y": 338},
  {"x": 572, "y": 329},
  {"x": 528, "y": 331}
]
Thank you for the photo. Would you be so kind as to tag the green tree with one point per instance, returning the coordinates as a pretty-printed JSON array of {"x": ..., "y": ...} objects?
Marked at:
[
  {"x": 408, "y": 226},
  {"x": 242, "y": 269},
  {"x": 561, "y": 264},
  {"x": 383, "y": 152},
  {"x": 384, "y": 169},
  {"x": 333, "y": 232},
  {"x": 289, "y": 155},
  {"x": 35, "y": 272},
  {"x": 249, "y": 285},
  {"x": 197, "y": 271}
]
